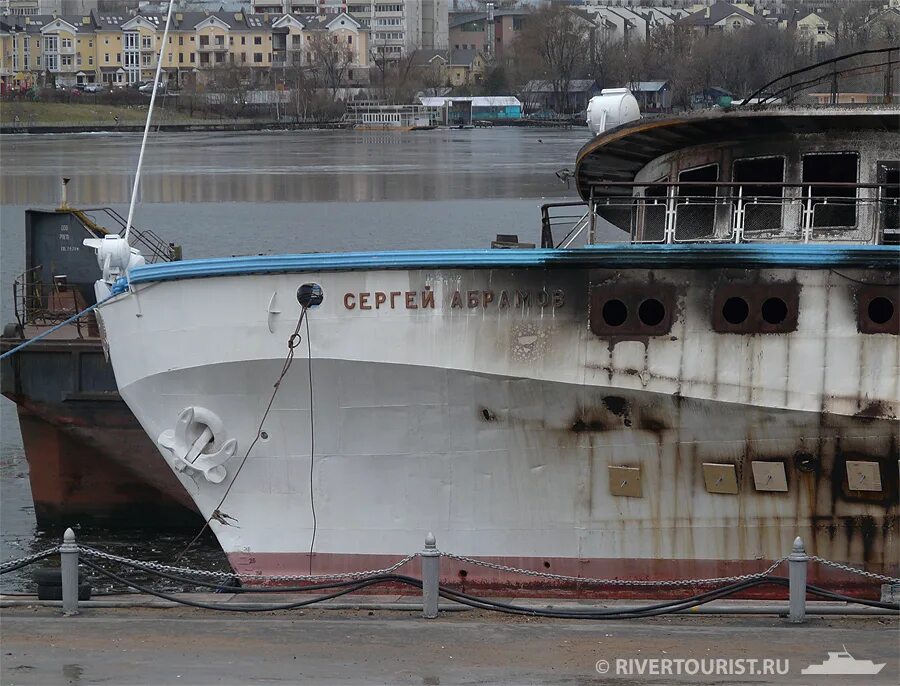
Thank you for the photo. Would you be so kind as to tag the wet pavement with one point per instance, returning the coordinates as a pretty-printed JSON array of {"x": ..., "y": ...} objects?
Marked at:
[{"x": 182, "y": 646}]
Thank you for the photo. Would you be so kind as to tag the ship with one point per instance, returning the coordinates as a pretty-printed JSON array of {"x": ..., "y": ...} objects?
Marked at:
[
  {"x": 679, "y": 405},
  {"x": 89, "y": 461},
  {"x": 842, "y": 662}
]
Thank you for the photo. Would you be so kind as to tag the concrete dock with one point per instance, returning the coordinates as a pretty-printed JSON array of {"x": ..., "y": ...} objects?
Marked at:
[{"x": 136, "y": 643}]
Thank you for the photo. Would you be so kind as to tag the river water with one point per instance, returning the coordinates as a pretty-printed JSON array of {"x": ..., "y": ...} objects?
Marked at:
[{"x": 220, "y": 194}]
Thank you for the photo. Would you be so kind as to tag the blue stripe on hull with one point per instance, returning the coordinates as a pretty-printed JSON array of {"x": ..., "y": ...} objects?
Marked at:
[{"x": 610, "y": 256}]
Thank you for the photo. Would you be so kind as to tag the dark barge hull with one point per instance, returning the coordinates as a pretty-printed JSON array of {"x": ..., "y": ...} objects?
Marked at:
[{"x": 90, "y": 463}]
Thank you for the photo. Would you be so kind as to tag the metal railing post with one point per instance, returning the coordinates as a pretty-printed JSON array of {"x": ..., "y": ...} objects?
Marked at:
[
  {"x": 797, "y": 562},
  {"x": 431, "y": 573},
  {"x": 68, "y": 557}
]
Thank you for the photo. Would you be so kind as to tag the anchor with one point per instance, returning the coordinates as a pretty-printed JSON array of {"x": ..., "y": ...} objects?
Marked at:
[{"x": 191, "y": 445}]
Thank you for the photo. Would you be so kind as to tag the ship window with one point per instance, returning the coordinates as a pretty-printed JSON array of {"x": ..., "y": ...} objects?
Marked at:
[
  {"x": 654, "y": 210},
  {"x": 889, "y": 210},
  {"x": 762, "y": 202},
  {"x": 695, "y": 208},
  {"x": 832, "y": 206}
]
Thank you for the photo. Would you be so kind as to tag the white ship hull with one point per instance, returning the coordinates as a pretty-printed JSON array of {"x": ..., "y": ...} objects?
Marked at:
[{"x": 494, "y": 424}]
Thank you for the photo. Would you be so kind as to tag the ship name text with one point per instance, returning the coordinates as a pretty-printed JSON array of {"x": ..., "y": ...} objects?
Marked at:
[{"x": 414, "y": 300}]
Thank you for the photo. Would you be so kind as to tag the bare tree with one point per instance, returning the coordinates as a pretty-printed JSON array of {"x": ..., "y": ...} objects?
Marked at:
[
  {"x": 332, "y": 59},
  {"x": 559, "y": 39}
]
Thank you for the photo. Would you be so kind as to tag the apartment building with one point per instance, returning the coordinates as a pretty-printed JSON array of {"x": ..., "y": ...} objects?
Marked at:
[
  {"x": 492, "y": 33},
  {"x": 34, "y": 7},
  {"x": 396, "y": 27},
  {"x": 118, "y": 49}
]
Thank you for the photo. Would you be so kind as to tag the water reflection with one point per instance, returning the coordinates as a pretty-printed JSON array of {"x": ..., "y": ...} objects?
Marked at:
[{"x": 319, "y": 166}]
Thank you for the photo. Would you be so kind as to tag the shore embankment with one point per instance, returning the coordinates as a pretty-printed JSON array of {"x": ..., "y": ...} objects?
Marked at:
[
  {"x": 362, "y": 646},
  {"x": 21, "y": 117}
]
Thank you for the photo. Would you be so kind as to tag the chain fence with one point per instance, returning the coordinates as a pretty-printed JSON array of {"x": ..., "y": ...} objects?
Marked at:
[
  {"x": 365, "y": 574},
  {"x": 617, "y": 582},
  {"x": 188, "y": 571},
  {"x": 854, "y": 570},
  {"x": 12, "y": 565}
]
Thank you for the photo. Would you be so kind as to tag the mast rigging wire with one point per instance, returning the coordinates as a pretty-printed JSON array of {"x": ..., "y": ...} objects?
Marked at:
[{"x": 137, "y": 175}]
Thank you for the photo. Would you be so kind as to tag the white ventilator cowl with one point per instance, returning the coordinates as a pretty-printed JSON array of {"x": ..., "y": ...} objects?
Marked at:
[{"x": 612, "y": 108}]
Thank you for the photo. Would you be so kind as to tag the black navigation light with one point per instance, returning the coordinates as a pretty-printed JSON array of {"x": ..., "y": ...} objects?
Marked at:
[{"x": 310, "y": 295}]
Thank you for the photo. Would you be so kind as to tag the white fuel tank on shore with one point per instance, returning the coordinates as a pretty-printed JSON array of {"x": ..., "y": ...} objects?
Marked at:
[{"x": 613, "y": 107}]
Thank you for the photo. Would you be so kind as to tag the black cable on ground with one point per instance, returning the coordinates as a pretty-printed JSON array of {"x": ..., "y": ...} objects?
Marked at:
[
  {"x": 632, "y": 613},
  {"x": 226, "y": 608},
  {"x": 224, "y": 587},
  {"x": 350, "y": 586},
  {"x": 831, "y": 595}
]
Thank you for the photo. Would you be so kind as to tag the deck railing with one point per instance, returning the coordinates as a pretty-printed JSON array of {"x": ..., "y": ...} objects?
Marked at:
[
  {"x": 38, "y": 303},
  {"x": 727, "y": 212}
]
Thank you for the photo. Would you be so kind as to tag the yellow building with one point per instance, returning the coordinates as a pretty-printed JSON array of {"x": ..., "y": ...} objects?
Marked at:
[
  {"x": 303, "y": 40},
  {"x": 813, "y": 31},
  {"x": 118, "y": 50}
]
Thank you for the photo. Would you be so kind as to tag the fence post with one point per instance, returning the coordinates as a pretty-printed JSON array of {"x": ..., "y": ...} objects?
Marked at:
[
  {"x": 68, "y": 557},
  {"x": 797, "y": 582},
  {"x": 431, "y": 573}
]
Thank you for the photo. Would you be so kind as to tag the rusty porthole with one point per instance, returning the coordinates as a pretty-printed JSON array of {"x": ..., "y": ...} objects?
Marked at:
[
  {"x": 774, "y": 310},
  {"x": 876, "y": 310},
  {"x": 645, "y": 309},
  {"x": 615, "y": 312},
  {"x": 756, "y": 308},
  {"x": 880, "y": 310},
  {"x": 735, "y": 310},
  {"x": 651, "y": 312}
]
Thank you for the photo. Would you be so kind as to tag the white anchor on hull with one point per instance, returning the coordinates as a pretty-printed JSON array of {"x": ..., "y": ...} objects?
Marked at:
[{"x": 191, "y": 445}]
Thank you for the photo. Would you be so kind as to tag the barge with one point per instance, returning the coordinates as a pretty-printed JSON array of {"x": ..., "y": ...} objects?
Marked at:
[{"x": 88, "y": 459}]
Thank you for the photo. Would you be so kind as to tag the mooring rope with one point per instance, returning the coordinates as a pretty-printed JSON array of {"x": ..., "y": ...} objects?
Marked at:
[{"x": 46, "y": 333}]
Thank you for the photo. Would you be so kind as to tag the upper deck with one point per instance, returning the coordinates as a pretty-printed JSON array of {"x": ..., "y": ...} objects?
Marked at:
[
  {"x": 785, "y": 174},
  {"x": 763, "y": 173}
]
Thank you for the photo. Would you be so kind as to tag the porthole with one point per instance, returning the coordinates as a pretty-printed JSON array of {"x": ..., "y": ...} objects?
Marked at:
[
  {"x": 876, "y": 310},
  {"x": 735, "y": 310},
  {"x": 615, "y": 312},
  {"x": 774, "y": 310},
  {"x": 756, "y": 308},
  {"x": 627, "y": 310},
  {"x": 880, "y": 310},
  {"x": 651, "y": 312}
]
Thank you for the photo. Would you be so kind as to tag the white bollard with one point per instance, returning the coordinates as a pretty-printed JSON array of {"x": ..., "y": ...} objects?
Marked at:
[
  {"x": 431, "y": 576},
  {"x": 797, "y": 561},
  {"x": 68, "y": 557}
]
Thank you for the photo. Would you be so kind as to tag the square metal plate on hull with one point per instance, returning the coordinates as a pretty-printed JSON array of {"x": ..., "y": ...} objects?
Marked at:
[
  {"x": 626, "y": 481},
  {"x": 863, "y": 476},
  {"x": 769, "y": 476},
  {"x": 720, "y": 478}
]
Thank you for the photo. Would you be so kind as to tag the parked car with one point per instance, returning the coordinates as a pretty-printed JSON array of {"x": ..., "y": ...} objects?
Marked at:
[
  {"x": 148, "y": 87},
  {"x": 93, "y": 88}
]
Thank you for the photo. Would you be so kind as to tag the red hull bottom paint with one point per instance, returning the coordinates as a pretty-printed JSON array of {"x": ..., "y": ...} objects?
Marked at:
[
  {"x": 73, "y": 482},
  {"x": 482, "y": 581}
]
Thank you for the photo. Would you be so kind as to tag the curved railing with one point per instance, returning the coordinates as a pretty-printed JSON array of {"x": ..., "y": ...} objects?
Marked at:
[{"x": 790, "y": 85}]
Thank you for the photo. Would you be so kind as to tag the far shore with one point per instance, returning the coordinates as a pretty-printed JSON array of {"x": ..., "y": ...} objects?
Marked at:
[{"x": 21, "y": 117}]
